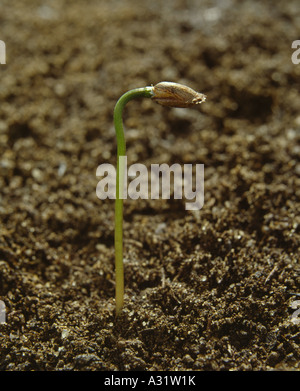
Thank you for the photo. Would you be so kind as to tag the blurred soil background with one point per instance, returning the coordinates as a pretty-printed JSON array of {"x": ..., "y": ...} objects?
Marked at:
[{"x": 214, "y": 289}]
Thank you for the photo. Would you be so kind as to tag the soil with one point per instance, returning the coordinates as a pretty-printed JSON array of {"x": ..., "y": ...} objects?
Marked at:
[{"x": 214, "y": 289}]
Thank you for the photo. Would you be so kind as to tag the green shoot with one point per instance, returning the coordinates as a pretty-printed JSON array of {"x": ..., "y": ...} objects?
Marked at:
[{"x": 166, "y": 94}]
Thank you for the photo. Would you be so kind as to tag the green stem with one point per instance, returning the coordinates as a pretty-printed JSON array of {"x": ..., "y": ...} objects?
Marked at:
[{"x": 145, "y": 92}]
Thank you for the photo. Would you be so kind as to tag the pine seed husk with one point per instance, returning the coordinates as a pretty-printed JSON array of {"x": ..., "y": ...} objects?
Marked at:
[{"x": 171, "y": 94}]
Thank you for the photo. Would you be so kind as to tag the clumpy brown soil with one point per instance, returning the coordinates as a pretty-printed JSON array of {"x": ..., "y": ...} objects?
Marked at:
[{"x": 205, "y": 290}]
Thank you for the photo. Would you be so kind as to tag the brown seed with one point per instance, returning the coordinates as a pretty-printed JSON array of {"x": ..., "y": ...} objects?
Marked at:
[{"x": 176, "y": 95}]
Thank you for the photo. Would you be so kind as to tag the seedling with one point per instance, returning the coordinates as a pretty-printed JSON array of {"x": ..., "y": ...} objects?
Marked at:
[{"x": 166, "y": 94}]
